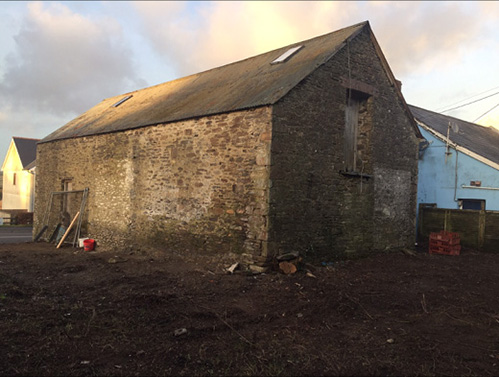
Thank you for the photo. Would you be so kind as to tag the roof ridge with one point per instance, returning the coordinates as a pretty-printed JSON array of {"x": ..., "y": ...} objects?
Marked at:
[
  {"x": 480, "y": 140},
  {"x": 454, "y": 118},
  {"x": 24, "y": 138},
  {"x": 223, "y": 66},
  {"x": 243, "y": 84},
  {"x": 26, "y": 149}
]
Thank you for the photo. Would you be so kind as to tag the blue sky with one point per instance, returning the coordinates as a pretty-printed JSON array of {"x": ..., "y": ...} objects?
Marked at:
[{"x": 58, "y": 59}]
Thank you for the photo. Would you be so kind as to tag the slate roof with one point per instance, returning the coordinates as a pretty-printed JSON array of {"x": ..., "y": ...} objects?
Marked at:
[
  {"x": 481, "y": 140},
  {"x": 245, "y": 84},
  {"x": 26, "y": 149}
]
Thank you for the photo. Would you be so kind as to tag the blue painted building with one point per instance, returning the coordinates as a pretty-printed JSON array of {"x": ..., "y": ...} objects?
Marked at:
[{"x": 458, "y": 163}]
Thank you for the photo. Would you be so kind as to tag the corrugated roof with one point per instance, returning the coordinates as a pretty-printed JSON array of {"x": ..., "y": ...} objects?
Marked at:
[
  {"x": 481, "y": 140},
  {"x": 26, "y": 149},
  {"x": 249, "y": 83}
]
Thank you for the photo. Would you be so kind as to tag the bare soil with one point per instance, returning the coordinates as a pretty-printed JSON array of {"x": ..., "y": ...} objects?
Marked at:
[{"x": 74, "y": 313}]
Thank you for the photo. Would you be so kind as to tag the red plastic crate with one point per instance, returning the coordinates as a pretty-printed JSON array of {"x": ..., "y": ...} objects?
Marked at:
[
  {"x": 446, "y": 250},
  {"x": 451, "y": 238},
  {"x": 444, "y": 242}
]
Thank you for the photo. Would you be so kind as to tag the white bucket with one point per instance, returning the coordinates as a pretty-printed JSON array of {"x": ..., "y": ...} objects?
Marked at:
[{"x": 80, "y": 241}]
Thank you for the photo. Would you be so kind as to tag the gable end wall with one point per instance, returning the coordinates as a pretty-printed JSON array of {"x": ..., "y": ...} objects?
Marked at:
[{"x": 313, "y": 206}]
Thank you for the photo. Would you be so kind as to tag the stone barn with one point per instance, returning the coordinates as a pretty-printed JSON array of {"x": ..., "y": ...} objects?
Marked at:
[{"x": 309, "y": 148}]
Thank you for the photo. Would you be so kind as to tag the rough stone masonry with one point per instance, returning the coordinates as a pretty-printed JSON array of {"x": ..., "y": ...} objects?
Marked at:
[
  {"x": 295, "y": 175},
  {"x": 202, "y": 182}
]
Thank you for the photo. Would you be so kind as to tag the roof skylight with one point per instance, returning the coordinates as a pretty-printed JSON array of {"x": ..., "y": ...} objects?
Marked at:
[
  {"x": 122, "y": 100},
  {"x": 287, "y": 55}
]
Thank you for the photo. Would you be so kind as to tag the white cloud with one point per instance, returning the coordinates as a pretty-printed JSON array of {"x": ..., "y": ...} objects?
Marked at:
[
  {"x": 64, "y": 62},
  {"x": 28, "y": 124},
  {"x": 217, "y": 33},
  {"x": 421, "y": 37},
  {"x": 67, "y": 57},
  {"x": 416, "y": 37},
  {"x": 172, "y": 31}
]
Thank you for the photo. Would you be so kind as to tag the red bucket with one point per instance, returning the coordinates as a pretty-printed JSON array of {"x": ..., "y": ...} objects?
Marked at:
[{"x": 88, "y": 245}]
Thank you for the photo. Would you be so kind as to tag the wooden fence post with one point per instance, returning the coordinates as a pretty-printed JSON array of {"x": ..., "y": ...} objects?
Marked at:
[
  {"x": 481, "y": 229},
  {"x": 446, "y": 219},
  {"x": 420, "y": 222}
]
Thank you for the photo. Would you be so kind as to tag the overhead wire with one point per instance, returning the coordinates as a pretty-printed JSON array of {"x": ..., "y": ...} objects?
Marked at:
[
  {"x": 465, "y": 99},
  {"x": 485, "y": 113},
  {"x": 469, "y": 103}
]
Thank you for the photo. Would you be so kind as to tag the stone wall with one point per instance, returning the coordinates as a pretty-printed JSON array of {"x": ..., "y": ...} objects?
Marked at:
[
  {"x": 266, "y": 180},
  {"x": 199, "y": 183},
  {"x": 315, "y": 205}
]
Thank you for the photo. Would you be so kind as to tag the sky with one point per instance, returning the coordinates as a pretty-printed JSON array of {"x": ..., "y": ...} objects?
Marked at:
[{"x": 58, "y": 59}]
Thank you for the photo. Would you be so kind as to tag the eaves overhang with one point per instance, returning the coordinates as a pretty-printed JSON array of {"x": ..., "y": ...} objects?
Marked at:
[{"x": 457, "y": 147}]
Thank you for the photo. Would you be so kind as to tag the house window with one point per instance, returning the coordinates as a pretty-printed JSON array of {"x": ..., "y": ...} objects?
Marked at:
[
  {"x": 14, "y": 179},
  {"x": 357, "y": 130},
  {"x": 476, "y": 204}
]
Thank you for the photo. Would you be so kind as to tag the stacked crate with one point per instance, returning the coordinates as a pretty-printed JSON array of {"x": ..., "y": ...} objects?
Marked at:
[{"x": 445, "y": 242}]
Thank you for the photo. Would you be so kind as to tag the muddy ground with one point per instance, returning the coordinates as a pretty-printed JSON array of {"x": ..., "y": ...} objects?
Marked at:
[{"x": 89, "y": 313}]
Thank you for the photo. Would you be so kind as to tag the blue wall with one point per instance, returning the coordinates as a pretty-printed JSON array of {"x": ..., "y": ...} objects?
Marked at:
[{"x": 437, "y": 178}]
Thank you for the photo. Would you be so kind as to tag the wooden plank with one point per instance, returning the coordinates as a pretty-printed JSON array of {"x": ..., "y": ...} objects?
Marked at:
[
  {"x": 351, "y": 126},
  {"x": 491, "y": 236},
  {"x": 466, "y": 223},
  {"x": 431, "y": 220},
  {"x": 78, "y": 225},
  {"x": 67, "y": 231},
  {"x": 481, "y": 229}
]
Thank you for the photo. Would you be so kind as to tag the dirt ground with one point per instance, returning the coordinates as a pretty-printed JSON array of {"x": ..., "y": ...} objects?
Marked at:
[{"x": 74, "y": 313}]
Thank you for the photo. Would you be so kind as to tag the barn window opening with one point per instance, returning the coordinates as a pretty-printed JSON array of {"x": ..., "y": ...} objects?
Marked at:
[
  {"x": 14, "y": 179},
  {"x": 357, "y": 131},
  {"x": 288, "y": 54},
  {"x": 122, "y": 100},
  {"x": 67, "y": 186}
]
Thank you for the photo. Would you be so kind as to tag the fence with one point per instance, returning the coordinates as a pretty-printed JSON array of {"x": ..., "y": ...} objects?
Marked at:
[
  {"x": 477, "y": 229},
  {"x": 6, "y": 221},
  {"x": 16, "y": 217}
]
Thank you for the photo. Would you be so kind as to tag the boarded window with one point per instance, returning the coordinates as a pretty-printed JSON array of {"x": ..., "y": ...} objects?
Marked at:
[
  {"x": 67, "y": 185},
  {"x": 357, "y": 130}
]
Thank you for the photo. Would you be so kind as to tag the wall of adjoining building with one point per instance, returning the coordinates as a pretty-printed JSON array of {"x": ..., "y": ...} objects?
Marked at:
[
  {"x": 18, "y": 184},
  {"x": 1, "y": 188},
  {"x": 441, "y": 183}
]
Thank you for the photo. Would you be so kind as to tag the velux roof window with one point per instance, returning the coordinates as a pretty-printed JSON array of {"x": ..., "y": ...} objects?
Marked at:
[
  {"x": 122, "y": 100},
  {"x": 284, "y": 57}
]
